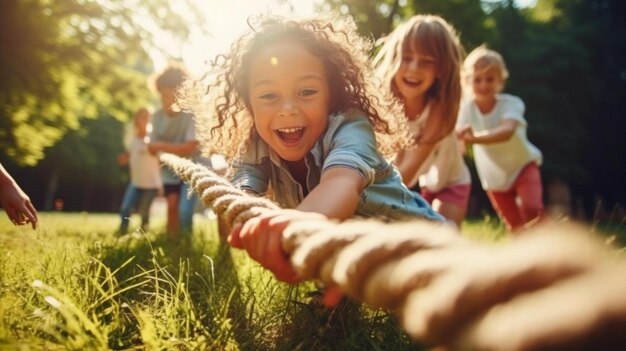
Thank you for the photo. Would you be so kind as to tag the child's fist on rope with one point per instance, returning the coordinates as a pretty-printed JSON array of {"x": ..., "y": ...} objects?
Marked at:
[{"x": 261, "y": 237}]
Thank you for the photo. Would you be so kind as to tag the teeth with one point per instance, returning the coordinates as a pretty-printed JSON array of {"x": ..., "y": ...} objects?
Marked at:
[{"x": 290, "y": 130}]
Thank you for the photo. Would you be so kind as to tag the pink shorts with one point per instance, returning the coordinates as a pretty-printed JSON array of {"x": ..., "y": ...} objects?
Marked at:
[{"x": 455, "y": 194}]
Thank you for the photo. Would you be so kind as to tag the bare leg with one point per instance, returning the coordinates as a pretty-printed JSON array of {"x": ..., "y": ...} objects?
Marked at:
[{"x": 449, "y": 210}]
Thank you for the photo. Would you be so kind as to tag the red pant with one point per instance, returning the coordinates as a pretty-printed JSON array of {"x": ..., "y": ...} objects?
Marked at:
[{"x": 528, "y": 188}]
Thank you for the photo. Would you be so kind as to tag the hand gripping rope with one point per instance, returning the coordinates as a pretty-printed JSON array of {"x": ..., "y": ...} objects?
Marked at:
[{"x": 547, "y": 288}]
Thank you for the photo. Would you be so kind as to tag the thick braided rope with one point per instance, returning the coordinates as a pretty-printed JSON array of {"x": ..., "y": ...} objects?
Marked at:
[{"x": 446, "y": 289}]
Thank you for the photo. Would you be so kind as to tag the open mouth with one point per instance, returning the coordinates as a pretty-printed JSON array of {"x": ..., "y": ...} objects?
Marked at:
[
  {"x": 290, "y": 135},
  {"x": 412, "y": 82}
]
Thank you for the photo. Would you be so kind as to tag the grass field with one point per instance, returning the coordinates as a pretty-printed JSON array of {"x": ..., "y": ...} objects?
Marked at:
[{"x": 74, "y": 285}]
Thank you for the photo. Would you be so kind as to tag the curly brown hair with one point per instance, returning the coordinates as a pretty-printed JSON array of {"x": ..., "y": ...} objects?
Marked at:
[{"x": 222, "y": 106}]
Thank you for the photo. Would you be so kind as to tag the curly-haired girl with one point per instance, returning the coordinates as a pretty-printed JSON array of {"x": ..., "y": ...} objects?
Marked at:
[{"x": 298, "y": 112}]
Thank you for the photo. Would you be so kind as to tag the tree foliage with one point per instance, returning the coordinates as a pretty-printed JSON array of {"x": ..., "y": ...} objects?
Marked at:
[
  {"x": 67, "y": 60},
  {"x": 567, "y": 60},
  {"x": 74, "y": 70}
]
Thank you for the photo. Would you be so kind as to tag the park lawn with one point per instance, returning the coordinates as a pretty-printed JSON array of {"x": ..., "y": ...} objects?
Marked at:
[{"x": 73, "y": 284}]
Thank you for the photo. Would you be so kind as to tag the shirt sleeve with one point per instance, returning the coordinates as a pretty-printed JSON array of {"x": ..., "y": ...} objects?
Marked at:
[
  {"x": 514, "y": 109},
  {"x": 353, "y": 146},
  {"x": 463, "y": 118},
  {"x": 252, "y": 177}
]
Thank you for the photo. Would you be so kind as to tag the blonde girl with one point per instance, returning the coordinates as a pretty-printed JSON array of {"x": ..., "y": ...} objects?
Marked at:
[
  {"x": 507, "y": 163},
  {"x": 296, "y": 108},
  {"x": 420, "y": 63}
]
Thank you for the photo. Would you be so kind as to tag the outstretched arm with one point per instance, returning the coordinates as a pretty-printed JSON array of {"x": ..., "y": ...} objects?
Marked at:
[
  {"x": 337, "y": 196},
  {"x": 15, "y": 202},
  {"x": 181, "y": 149},
  {"x": 501, "y": 133},
  {"x": 412, "y": 160}
]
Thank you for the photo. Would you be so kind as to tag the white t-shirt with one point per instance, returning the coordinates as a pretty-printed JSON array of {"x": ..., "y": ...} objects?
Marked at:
[
  {"x": 499, "y": 164},
  {"x": 145, "y": 172},
  {"x": 443, "y": 167}
]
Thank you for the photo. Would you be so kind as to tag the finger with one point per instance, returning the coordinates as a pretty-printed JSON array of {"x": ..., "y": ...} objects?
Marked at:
[
  {"x": 31, "y": 214},
  {"x": 332, "y": 296},
  {"x": 14, "y": 215},
  {"x": 234, "y": 238},
  {"x": 254, "y": 236},
  {"x": 276, "y": 259}
]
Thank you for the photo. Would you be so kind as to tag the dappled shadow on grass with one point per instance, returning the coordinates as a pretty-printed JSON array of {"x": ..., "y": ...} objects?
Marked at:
[{"x": 347, "y": 326}]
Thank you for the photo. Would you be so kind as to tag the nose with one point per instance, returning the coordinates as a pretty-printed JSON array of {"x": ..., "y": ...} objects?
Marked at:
[
  {"x": 413, "y": 65},
  {"x": 288, "y": 109}
]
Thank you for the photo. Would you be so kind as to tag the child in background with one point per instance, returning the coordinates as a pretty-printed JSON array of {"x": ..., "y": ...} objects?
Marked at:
[
  {"x": 507, "y": 163},
  {"x": 297, "y": 110},
  {"x": 145, "y": 175},
  {"x": 420, "y": 62},
  {"x": 173, "y": 131}
]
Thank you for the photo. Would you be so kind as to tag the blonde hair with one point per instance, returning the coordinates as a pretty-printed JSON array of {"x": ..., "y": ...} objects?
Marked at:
[
  {"x": 429, "y": 35},
  {"x": 222, "y": 107},
  {"x": 483, "y": 59}
]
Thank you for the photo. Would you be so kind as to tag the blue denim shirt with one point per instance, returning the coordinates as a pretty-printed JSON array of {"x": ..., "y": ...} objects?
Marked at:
[{"x": 349, "y": 141}]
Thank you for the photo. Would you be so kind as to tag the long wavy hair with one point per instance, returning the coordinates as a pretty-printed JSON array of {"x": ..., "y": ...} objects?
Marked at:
[
  {"x": 221, "y": 101},
  {"x": 428, "y": 35}
]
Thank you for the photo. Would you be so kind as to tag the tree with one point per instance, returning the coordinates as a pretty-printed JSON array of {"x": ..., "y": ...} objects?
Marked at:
[
  {"x": 587, "y": 62},
  {"x": 68, "y": 60}
]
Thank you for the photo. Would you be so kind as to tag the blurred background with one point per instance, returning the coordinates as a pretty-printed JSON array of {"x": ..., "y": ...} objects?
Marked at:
[{"x": 72, "y": 72}]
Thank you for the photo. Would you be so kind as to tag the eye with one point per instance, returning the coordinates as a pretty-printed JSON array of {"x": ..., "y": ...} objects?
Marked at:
[
  {"x": 426, "y": 62},
  {"x": 406, "y": 59},
  {"x": 268, "y": 96},
  {"x": 307, "y": 92}
]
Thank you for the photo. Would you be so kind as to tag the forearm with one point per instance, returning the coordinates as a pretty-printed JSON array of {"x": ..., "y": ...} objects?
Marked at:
[
  {"x": 5, "y": 177},
  {"x": 337, "y": 195},
  {"x": 180, "y": 149},
  {"x": 412, "y": 161},
  {"x": 501, "y": 133}
]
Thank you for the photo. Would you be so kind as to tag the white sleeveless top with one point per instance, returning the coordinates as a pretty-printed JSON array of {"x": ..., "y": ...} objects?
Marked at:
[{"x": 444, "y": 166}]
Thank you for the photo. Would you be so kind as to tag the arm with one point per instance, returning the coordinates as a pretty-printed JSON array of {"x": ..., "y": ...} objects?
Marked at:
[
  {"x": 501, "y": 133},
  {"x": 261, "y": 236},
  {"x": 181, "y": 149},
  {"x": 412, "y": 161},
  {"x": 15, "y": 202},
  {"x": 337, "y": 195}
]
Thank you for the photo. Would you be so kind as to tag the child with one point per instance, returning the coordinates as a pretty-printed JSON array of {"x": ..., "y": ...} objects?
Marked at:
[
  {"x": 174, "y": 132},
  {"x": 420, "y": 62},
  {"x": 507, "y": 163},
  {"x": 145, "y": 175},
  {"x": 15, "y": 202},
  {"x": 297, "y": 111}
]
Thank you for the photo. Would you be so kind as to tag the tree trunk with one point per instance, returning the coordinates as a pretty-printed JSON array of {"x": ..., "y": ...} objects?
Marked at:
[{"x": 51, "y": 190}]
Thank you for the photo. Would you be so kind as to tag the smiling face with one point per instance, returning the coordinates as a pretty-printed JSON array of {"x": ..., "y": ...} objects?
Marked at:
[
  {"x": 289, "y": 98},
  {"x": 486, "y": 84},
  {"x": 416, "y": 74}
]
